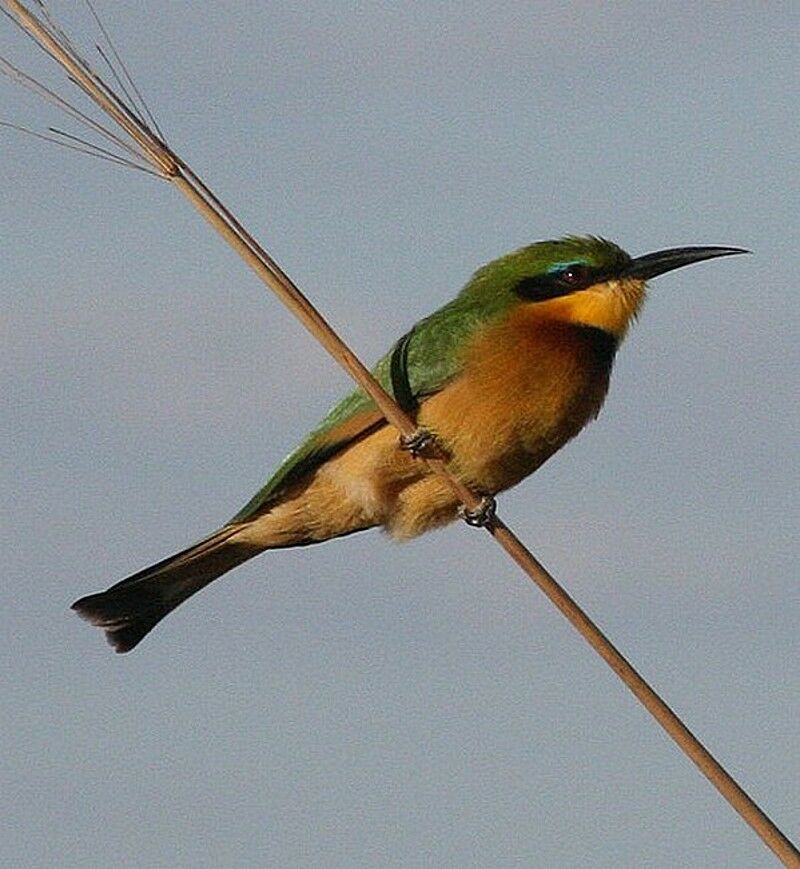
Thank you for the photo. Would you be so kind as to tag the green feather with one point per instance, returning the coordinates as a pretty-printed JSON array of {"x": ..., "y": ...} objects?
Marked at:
[{"x": 429, "y": 356}]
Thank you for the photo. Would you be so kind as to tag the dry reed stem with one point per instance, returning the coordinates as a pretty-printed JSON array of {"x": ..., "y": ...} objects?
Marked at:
[{"x": 171, "y": 167}]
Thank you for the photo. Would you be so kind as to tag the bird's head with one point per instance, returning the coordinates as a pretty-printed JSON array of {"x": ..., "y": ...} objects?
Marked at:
[{"x": 583, "y": 279}]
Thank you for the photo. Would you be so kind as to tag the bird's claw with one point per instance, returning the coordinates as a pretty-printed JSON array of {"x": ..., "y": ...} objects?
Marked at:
[
  {"x": 417, "y": 443},
  {"x": 482, "y": 515}
]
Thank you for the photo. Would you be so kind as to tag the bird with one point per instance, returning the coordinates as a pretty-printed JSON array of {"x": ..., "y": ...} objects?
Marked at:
[{"x": 499, "y": 378}]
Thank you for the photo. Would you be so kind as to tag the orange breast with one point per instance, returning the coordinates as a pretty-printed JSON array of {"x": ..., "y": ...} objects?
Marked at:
[{"x": 529, "y": 385}]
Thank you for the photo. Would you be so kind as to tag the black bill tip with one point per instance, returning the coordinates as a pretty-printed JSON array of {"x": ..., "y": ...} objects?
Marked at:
[{"x": 652, "y": 264}]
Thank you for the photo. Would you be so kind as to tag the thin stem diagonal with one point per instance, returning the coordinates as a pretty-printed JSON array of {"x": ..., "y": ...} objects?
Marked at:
[{"x": 166, "y": 163}]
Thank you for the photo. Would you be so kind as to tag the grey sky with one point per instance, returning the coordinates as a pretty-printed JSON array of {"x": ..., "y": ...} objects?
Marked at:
[{"x": 363, "y": 703}]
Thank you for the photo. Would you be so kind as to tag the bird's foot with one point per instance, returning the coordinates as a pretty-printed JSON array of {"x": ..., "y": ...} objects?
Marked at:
[
  {"x": 419, "y": 443},
  {"x": 482, "y": 515}
]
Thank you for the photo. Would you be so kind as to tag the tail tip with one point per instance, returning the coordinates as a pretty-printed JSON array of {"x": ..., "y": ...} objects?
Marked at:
[{"x": 123, "y": 632}]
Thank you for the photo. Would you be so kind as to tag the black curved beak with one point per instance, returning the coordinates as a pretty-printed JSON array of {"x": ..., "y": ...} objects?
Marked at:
[{"x": 652, "y": 264}]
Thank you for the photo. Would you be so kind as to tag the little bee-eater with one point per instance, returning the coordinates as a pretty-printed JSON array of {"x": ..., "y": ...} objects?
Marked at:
[{"x": 502, "y": 377}]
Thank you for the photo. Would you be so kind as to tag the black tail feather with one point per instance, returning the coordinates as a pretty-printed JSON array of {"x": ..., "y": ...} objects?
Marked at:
[
  {"x": 126, "y": 615},
  {"x": 133, "y": 607}
]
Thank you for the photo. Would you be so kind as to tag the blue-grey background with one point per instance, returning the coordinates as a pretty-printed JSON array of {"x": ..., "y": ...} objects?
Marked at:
[{"x": 364, "y": 703}]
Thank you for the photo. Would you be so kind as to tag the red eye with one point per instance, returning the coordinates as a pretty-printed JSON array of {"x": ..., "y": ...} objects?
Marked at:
[{"x": 574, "y": 275}]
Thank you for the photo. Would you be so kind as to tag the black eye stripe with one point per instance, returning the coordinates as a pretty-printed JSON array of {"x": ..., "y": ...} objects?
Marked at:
[
  {"x": 572, "y": 277},
  {"x": 538, "y": 288}
]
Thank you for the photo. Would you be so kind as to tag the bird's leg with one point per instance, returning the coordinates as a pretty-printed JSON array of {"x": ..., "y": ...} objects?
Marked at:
[
  {"x": 482, "y": 516},
  {"x": 419, "y": 443}
]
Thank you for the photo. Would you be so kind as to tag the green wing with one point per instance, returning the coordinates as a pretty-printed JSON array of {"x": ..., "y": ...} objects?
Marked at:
[{"x": 418, "y": 365}]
